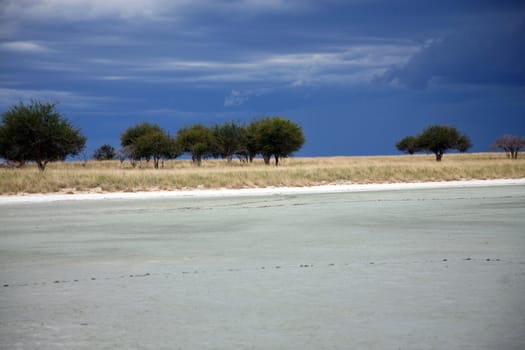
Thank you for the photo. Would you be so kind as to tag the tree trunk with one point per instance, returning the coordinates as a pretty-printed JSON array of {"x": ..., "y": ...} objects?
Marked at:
[
  {"x": 276, "y": 160},
  {"x": 41, "y": 164},
  {"x": 266, "y": 160},
  {"x": 439, "y": 155},
  {"x": 198, "y": 160},
  {"x": 156, "y": 162}
]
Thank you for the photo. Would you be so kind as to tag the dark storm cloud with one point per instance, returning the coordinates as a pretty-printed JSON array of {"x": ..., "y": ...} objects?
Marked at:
[
  {"x": 179, "y": 61},
  {"x": 488, "y": 56}
]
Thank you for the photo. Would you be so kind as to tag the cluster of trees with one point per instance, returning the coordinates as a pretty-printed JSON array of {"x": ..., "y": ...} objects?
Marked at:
[
  {"x": 440, "y": 138},
  {"x": 436, "y": 139},
  {"x": 271, "y": 136},
  {"x": 37, "y": 132},
  {"x": 147, "y": 141}
]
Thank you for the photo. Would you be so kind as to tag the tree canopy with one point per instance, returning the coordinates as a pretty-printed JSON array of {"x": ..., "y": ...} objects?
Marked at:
[
  {"x": 229, "y": 140},
  {"x": 37, "y": 132},
  {"x": 128, "y": 137},
  {"x": 278, "y": 137},
  {"x": 436, "y": 139},
  {"x": 408, "y": 145},
  {"x": 270, "y": 136},
  {"x": 197, "y": 140},
  {"x": 148, "y": 141},
  {"x": 105, "y": 152}
]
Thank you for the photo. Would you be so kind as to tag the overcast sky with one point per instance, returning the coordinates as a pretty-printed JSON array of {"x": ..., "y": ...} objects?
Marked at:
[{"x": 357, "y": 75}]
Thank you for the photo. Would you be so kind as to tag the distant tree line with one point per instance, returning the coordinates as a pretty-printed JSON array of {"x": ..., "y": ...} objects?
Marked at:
[
  {"x": 37, "y": 132},
  {"x": 270, "y": 137}
]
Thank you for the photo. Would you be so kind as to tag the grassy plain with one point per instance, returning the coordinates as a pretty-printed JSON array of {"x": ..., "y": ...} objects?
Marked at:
[{"x": 112, "y": 176}]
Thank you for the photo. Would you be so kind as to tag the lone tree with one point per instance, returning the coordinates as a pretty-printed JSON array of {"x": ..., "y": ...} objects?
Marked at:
[
  {"x": 408, "y": 145},
  {"x": 278, "y": 137},
  {"x": 197, "y": 140},
  {"x": 105, "y": 152},
  {"x": 147, "y": 141},
  {"x": 510, "y": 144},
  {"x": 37, "y": 132},
  {"x": 440, "y": 138}
]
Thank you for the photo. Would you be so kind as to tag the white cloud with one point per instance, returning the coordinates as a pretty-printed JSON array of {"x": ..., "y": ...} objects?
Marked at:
[
  {"x": 130, "y": 9},
  {"x": 238, "y": 97},
  {"x": 354, "y": 64},
  {"x": 24, "y": 46},
  {"x": 9, "y": 97},
  {"x": 349, "y": 65},
  {"x": 255, "y": 6},
  {"x": 115, "y": 77},
  {"x": 235, "y": 98},
  {"x": 84, "y": 9}
]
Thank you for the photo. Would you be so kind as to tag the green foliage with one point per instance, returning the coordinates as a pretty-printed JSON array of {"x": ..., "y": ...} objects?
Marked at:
[
  {"x": 440, "y": 138},
  {"x": 105, "y": 152},
  {"x": 251, "y": 146},
  {"x": 37, "y": 132},
  {"x": 463, "y": 144},
  {"x": 408, "y": 145},
  {"x": 229, "y": 140},
  {"x": 146, "y": 141},
  {"x": 197, "y": 140},
  {"x": 278, "y": 137},
  {"x": 157, "y": 145},
  {"x": 128, "y": 137}
]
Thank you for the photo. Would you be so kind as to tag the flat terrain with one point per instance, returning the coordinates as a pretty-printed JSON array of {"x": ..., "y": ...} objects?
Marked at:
[
  {"x": 112, "y": 176},
  {"x": 408, "y": 269}
]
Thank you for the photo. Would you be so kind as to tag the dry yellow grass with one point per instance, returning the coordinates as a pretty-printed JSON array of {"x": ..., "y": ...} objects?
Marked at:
[{"x": 111, "y": 176}]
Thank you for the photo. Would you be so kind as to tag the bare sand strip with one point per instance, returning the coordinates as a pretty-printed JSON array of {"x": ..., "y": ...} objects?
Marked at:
[{"x": 207, "y": 193}]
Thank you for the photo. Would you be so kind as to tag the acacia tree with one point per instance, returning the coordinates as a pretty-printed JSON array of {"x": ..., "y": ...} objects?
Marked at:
[
  {"x": 147, "y": 141},
  {"x": 197, "y": 140},
  {"x": 105, "y": 152},
  {"x": 157, "y": 145},
  {"x": 37, "y": 132},
  {"x": 408, "y": 145},
  {"x": 229, "y": 139},
  {"x": 510, "y": 144},
  {"x": 278, "y": 137},
  {"x": 129, "y": 137},
  {"x": 440, "y": 138}
]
